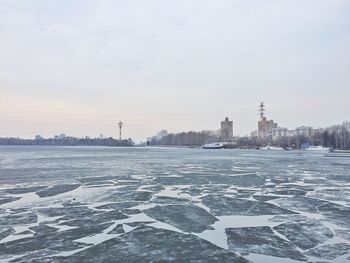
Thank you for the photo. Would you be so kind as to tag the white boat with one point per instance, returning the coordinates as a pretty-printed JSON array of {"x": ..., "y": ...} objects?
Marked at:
[
  {"x": 317, "y": 149},
  {"x": 216, "y": 145},
  {"x": 268, "y": 147}
]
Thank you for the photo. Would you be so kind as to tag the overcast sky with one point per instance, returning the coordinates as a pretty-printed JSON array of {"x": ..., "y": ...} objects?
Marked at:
[{"x": 78, "y": 67}]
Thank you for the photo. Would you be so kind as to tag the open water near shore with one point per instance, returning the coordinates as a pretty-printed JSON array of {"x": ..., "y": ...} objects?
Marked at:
[{"x": 99, "y": 204}]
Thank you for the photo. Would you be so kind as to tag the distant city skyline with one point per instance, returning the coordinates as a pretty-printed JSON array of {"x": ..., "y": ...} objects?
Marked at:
[{"x": 80, "y": 67}]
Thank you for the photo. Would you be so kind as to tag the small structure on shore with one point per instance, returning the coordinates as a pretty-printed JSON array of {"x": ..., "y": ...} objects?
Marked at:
[{"x": 120, "y": 125}]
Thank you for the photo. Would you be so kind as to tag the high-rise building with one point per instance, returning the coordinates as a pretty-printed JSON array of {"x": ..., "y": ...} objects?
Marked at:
[
  {"x": 265, "y": 126},
  {"x": 226, "y": 130}
]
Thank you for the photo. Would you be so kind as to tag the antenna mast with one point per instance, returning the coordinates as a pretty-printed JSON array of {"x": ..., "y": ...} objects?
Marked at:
[
  {"x": 120, "y": 125},
  {"x": 261, "y": 110}
]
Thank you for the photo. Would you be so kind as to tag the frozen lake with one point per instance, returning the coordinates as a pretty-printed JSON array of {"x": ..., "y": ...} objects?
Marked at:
[{"x": 96, "y": 204}]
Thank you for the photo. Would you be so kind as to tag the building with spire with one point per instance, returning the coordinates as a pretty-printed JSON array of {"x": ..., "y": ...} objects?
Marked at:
[{"x": 265, "y": 126}]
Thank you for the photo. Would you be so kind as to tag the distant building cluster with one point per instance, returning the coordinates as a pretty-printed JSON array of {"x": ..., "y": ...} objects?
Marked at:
[{"x": 268, "y": 129}]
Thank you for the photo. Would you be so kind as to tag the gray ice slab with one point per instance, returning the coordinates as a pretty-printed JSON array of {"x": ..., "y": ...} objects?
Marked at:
[
  {"x": 223, "y": 205},
  {"x": 6, "y": 232},
  {"x": 57, "y": 189},
  {"x": 18, "y": 218},
  {"x": 285, "y": 218},
  {"x": 189, "y": 218},
  {"x": 300, "y": 203},
  {"x": 329, "y": 251},
  {"x": 305, "y": 234},
  {"x": 118, "y": 206},
  {"x": 43, "y": 229},
  {"x": 69, "y": 212},
  {"x": 246, "y": 180},
  {"x": 169, "y": 200},
  {"x": 8, "y": 199},
  {"x": 58, "y": 241},
  {"x": 263, "y": 198},
  {"x": 288, "y": 191},
  {"x": 127, "y": 196},
  {"x": 261, "y": 240},
  {"x": 24, "y": 190},
  {"x": 337, "y": 214},
  {"x": 101, "y": 217},
  {"x": 148, "y": 244},
  {"x": 343, "y": 233}
]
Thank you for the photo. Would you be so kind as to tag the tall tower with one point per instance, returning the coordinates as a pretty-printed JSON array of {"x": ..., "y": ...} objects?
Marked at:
[
  {"x": 226, "y": 130},
  {"x": 265, "y": 126},
  {"x": 261, "y": 110},
  {"x": 120, "y": 125}
]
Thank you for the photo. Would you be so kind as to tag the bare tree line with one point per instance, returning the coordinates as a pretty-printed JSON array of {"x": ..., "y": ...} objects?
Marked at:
[
  {"x": 68, "y": 141},
  {"x": 190, "y": 138}
]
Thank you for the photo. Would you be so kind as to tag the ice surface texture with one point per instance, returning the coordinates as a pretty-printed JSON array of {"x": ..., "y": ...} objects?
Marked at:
[{"x": 62, "y": 204}]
